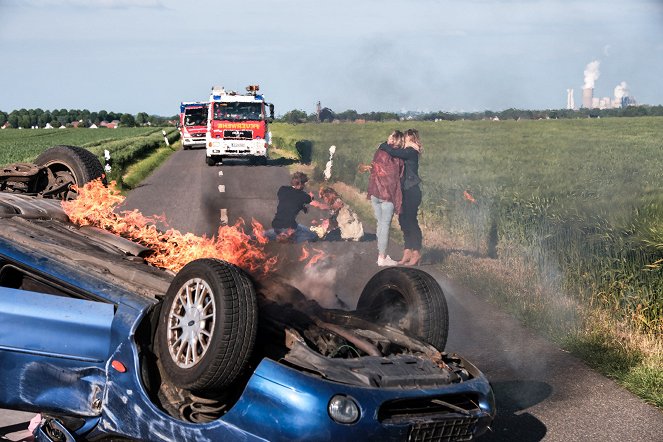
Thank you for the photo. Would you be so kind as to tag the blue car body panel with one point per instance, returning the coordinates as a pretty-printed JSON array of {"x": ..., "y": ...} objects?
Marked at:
[
  {"x": 81, "y": 331},
  {"x": 64, "y": 365}
]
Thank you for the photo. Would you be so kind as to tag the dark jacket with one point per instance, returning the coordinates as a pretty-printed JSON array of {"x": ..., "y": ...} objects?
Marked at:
[
  {"x": 291, "y": 202},
  {"x": 410, "y": 158}
]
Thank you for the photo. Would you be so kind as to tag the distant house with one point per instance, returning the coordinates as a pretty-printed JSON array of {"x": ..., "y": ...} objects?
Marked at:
[
  {"x": 48, "y": 126},
  {"x": 6, "y": 125},
  {"x": 94, "y": 126},
  {"x": 75, "y": 123},
  {"x": 103, "y": 124},
  {"x": 63, "y": 127},
  {"x": 112, "y": 125}
]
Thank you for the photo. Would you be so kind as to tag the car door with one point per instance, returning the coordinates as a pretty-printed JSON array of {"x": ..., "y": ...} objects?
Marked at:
[{"x": 53, "y": 352}]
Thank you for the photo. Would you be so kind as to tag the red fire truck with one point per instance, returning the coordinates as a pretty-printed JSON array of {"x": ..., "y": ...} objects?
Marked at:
[
  {"x": 238, "y": 125},
  {"x": 193, "y": 123}
]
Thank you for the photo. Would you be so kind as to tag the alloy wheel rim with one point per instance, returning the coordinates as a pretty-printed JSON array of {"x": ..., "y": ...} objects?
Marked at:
[{"x": 191, "y": 323}]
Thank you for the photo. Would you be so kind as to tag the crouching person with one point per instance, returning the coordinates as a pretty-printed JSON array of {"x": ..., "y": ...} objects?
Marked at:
[
  {"x": 343, "y": 222},
  {"x": 292, "y": 199}
]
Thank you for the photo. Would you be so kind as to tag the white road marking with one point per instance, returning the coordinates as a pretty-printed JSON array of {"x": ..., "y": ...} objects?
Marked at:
[
  {"x": 222, "y": 188},
  {"x": 224, "y": 216},
  {"x": 220, "y": 172}
]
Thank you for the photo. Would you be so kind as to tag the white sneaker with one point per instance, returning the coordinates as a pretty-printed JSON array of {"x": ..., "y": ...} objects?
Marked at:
[{"x": 386, "y": 262}]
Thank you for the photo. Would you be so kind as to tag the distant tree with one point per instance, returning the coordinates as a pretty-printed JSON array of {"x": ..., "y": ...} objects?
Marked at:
[
  {"x": 3, "y": 118},
  {"x": 13, "y": 119},
  {"x": 347, "y": 115},
  {"x": 127, "y": 120},
  {"x": 327, "y": 114},
  {"x": 294, "y": 116},
  {"x": 24, "y": 121},
  {"x": 142, "y": 118}
]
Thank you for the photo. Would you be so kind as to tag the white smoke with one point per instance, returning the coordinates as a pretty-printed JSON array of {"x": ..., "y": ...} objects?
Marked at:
[
  {"x": 591, "y": 74},
  {"x": 621, "y": 90}
]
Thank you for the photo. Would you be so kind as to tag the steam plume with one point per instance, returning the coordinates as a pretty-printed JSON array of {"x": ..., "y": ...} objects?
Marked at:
[
  {"x": 591, "y": 74},
  {"x": 621, "y": 90}
]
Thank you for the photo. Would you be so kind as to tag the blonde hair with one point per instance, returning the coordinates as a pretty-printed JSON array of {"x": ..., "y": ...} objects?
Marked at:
[
  {"x": 413, "y": 136},
  {"x": 399, "y": 138}
]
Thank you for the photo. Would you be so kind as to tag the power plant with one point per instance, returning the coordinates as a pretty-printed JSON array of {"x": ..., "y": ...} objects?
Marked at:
[{"x": 621, "y": 97}]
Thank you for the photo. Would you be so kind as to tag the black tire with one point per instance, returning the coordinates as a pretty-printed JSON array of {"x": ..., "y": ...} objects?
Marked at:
[
  {"x": 70, "y": 163},
  {"x": 225, "y": 339},
  {"x": 210, "y": 161},
  {"x": 185, "y": 147},
  {"x": 409, "y": 299}
]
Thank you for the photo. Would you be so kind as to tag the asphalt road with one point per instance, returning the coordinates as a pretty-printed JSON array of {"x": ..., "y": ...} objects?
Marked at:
[{"x": 542, "y": 392}]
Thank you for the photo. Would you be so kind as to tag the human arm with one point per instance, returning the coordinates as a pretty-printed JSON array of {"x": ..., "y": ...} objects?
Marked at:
[{"x": 405, "y": 154}]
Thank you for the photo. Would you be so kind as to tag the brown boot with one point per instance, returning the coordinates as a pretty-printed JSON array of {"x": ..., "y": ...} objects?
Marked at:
[
  {"x": 415, "y": 257},
  {"x": 407, "y": 255}
]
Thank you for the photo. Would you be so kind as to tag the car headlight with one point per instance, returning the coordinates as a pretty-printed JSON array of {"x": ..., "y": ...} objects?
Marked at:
[{"x": 343, "y": 409}]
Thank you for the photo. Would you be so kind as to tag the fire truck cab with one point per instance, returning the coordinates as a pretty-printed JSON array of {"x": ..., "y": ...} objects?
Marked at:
[
  {"x": 193, "y": 123},
  {"x": 238, "y": 125}
]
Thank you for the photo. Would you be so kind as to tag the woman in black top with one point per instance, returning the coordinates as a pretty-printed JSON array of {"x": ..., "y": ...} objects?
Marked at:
[{"x": 411, "y": 195}]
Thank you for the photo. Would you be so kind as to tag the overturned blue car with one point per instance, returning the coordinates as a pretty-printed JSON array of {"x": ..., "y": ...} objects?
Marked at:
[{"x": 105, "y": 346}]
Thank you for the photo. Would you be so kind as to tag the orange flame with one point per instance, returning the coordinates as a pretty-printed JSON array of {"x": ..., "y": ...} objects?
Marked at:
[
  {"x": 469, "y": 197},
  {"x": 95, "y": 206},
  {"x": 304, "y": 255},
  {"x": 315, "y": 258}
]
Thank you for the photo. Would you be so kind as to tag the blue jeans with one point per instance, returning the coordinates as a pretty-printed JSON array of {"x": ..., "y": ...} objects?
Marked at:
[
  {"x": 300, "y": 234},
  {"x": 384, "y": 211}
]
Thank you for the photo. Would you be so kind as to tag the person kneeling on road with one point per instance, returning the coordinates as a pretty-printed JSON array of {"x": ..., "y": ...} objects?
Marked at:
[{"x": 292, "y": 199}]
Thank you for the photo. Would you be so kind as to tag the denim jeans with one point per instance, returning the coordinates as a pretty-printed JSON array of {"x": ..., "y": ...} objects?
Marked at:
[
  {"x": 300, "y": 234},
  {"x": 384, "y": 211}
]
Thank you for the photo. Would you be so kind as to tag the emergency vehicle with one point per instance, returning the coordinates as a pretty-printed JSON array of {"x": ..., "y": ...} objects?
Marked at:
[
  {"x": 193, "y": 123},
  {"x": 238, "y": 125}
]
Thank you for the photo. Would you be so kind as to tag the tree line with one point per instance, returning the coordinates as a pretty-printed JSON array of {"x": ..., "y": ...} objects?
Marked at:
[
  {"x": 28, "y": 118},
  {"x": 298, "y": 116}
]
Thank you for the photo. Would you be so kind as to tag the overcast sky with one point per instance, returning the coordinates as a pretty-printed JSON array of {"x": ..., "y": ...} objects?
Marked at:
[{"x": 367, "y": 55}]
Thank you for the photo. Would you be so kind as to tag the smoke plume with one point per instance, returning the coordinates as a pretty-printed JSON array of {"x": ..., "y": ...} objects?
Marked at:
[
  {"x": 591, "y": 74},
  {"x": 621, "y": 90}
]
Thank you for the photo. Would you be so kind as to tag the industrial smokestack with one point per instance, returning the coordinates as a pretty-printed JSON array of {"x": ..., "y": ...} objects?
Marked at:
[
  {"x": 587, "y": 95},
  {"x": 570, "y": 103},
  {"x": 591, "y": 75}
]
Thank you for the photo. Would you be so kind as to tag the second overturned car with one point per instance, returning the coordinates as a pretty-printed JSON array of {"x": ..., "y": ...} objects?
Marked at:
[{"x": 105, "y": 345}]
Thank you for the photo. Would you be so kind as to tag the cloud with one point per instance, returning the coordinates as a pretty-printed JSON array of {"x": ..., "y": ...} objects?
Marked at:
[{"x": 606, "y": 50}]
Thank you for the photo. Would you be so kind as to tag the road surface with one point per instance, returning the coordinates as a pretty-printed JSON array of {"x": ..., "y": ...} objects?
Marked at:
[{"x": 542, "y": 392}]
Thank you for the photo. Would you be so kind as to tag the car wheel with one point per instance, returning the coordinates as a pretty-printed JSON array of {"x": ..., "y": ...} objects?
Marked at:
[
  {"x": 211, "y": 161},
  {"x": 185, "y": 147},
  {"x": 409, "y": 299},
  {"x": 68, "y": 165},
  {"x": 207, "y": 325}
]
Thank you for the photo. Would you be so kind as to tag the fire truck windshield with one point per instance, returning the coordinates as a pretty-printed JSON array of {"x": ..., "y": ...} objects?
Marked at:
[
  {"x": 195, "y": 117},
  {"x": 237, "y": 111}
]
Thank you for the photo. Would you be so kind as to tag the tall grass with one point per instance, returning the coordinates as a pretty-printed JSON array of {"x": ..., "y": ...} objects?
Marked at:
[{"x": 580, "y": 200}]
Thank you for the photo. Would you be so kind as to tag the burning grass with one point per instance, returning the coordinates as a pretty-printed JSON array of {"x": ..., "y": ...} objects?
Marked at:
[{"x": 97, "y": 204}]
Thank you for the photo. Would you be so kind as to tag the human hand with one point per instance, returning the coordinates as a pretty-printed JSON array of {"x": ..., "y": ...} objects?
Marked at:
[{"x": 363, "y": 168}]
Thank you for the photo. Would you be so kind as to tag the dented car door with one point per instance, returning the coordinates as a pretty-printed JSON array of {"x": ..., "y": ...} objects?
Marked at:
[{"x": 53, "y": 352}]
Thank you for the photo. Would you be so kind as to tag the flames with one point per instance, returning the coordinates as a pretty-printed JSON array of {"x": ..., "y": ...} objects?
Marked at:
[
  {"x": 318, "y": 257},
  {"x": 469, "y": 197},
  {"x": 96, "y": 206}
]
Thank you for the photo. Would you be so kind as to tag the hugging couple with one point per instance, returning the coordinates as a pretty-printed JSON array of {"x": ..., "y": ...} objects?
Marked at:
[{"x": 394, "y": 187}]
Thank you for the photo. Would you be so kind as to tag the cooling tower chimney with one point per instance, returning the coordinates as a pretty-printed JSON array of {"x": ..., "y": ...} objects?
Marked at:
[
  {"x": 591, "y": 75},
  {"x": 587, "y": 96},
  {"x": 570, "y": 104}
]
